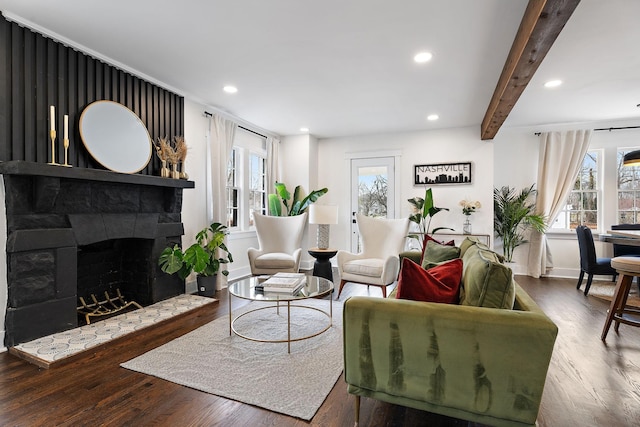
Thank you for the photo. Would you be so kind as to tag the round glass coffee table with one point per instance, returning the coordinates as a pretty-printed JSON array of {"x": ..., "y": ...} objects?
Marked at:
[{"x": 316, "y": 287}]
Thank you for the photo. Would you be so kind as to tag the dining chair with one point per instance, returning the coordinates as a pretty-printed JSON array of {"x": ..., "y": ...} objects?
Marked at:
[
  {"x": 589, "y": 262},
  {"x": 279, "y": 238},
  {"x": 378, "y": 263}
]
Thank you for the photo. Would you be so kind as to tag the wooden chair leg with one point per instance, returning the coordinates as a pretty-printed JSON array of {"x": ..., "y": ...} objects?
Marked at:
[
  {"x": 623, "y": 283},
  {"x": 623, "y": 304},
  {"x": 357, "y": 408},
  {"x": 342, "y": 283},
  {"x": 384, "y": 291},
  {"x": 580, "y": 277}
]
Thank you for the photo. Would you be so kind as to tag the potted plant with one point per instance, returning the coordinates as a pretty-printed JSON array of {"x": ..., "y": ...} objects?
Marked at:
[
  {"x": 295, "y": 206},
  {"x": 201, "y": 258},
  {"x": 514, "y": 214},
  {"x": 424, "y": 211}
]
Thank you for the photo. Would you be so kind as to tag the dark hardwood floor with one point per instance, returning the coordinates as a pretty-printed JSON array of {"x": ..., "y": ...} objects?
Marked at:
[{"x": 589, "y": 383}]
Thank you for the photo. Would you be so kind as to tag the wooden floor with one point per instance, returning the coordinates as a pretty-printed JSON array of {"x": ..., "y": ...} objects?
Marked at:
[{"x": 589, "y": 383}]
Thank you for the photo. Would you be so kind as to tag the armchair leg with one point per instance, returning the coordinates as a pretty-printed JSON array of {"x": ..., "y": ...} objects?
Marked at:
[
  {"x": 342, "y": 283},
  {"x": 357, "y": 408}
]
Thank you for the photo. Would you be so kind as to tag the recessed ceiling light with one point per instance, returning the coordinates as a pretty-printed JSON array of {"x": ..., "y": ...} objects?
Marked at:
[
  {"x": 303, "y": 129},
  {"x": 423, "y": 57},
  {"x": 553, "y": 83},
  {"x": 432, "y": 117},
  {"x": 230, "y": 89}
]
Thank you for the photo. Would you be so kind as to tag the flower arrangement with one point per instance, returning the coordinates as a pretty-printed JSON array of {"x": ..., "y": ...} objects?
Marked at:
[{"x": 469, "y": 207}]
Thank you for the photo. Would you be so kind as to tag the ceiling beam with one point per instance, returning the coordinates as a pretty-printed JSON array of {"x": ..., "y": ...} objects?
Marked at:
[{"x": 540, "y": 26}]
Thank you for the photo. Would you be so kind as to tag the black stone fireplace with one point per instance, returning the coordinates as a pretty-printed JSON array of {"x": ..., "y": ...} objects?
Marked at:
[{"x": 72, "y": 232}]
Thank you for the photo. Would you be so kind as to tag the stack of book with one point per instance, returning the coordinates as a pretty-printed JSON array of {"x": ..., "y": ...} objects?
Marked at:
[{"x": 286, "y": 283}]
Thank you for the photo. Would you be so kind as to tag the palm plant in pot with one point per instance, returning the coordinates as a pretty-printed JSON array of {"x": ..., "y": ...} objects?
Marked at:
[
  {"x": 514, "y": 215},
  {"x": 202, "y": 258}
]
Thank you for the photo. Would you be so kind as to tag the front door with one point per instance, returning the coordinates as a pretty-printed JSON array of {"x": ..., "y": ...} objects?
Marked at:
[{"x": 372, "y": 191}]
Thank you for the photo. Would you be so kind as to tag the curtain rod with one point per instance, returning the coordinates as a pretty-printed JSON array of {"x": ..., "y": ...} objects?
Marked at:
[
  {"x": 609, "y": 129},
  {"x": 208, "y": 114}
]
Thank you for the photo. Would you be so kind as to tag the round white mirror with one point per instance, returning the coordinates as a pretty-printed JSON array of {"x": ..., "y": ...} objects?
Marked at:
[{"x": 115, "y": 137}]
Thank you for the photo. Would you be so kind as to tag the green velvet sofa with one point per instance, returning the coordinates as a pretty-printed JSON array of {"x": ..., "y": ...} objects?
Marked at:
[{"x": 485, "y": 365}]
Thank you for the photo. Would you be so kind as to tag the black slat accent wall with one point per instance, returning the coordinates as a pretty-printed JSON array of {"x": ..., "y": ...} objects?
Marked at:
[{"x": 36, "y": 72}]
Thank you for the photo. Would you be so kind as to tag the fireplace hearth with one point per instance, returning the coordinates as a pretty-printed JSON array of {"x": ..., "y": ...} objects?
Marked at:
[{"x": 72, "y": 232}]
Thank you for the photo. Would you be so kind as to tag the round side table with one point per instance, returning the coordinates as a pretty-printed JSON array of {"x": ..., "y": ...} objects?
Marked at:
[{"x": 322, "y": 265}]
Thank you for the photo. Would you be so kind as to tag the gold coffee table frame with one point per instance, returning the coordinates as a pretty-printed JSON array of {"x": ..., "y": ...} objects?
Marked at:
[{"x": 316, "y": 287}]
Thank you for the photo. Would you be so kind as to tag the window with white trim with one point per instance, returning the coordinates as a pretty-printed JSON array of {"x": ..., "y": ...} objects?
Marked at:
[
  {"x": 246, "y": 180},
  {"x": 628, "y": 191},
  {"x": 582, "y": 205}
]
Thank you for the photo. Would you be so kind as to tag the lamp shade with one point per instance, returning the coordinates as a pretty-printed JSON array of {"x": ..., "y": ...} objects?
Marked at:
[
  {"x": 323, "y": 214},
  {"x": 632, "y": 158}
]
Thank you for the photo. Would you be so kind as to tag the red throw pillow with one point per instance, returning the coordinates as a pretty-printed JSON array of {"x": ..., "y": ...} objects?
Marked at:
[
  {"x": 427, "y": 238},
  {"x": 438, "y": 284}
]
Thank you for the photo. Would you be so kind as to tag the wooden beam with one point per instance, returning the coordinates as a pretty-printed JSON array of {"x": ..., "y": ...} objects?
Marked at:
[{"x": 540, "y": 26}]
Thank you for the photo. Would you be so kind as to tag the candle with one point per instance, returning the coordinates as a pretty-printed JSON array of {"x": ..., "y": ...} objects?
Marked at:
[
  {"x": 52, "y": 118},
  {"x": 66, "y": 127}
]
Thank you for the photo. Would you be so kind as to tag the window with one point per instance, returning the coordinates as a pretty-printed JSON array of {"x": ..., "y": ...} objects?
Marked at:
[
  {"x": 582, "y": 204},
  {"x": 628, "y": 191},
  {"x": 246, "y": 180},
  {"x": 257, "y": 185},
  {"x": 233, "y": 191}
]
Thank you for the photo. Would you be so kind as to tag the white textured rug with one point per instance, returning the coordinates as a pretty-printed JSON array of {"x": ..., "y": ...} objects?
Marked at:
[{"x": 260, "y": 374}]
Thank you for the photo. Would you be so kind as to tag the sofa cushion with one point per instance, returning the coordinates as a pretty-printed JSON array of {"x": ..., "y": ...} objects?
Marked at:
[
  {"x": 435, "y": 253},
  {"x": 427, "y": 239},
  {"x": 486, "y": 282},
  {"x": 438, "y": 284}
]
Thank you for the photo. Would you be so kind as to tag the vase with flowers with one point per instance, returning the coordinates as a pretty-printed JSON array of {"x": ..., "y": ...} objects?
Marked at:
[{"x": 468, "y": 207}]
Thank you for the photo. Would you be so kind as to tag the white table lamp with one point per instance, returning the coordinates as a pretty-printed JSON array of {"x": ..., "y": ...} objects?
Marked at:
[{"x": 323, "y": 216}]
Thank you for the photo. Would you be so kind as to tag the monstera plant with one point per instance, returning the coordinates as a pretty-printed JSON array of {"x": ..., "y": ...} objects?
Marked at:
[
  {"x": 292, "y": 206},
  {"x": 204, "y": 258}
]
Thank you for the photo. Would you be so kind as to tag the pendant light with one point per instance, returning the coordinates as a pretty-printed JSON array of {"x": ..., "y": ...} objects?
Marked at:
[{"x": 632, "y": 158}]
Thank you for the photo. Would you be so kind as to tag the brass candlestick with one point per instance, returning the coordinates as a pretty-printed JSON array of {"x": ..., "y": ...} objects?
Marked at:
[
  {"x": 66, "y": 152},
  {"x": 52, "y": 134}
]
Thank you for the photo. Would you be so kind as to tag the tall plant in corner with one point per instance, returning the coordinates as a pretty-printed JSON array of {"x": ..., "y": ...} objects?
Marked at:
[
  {"x": 295, "y": 206},
  {"x": 424, "y": 211},
  {"x": 514, "y": 215}
]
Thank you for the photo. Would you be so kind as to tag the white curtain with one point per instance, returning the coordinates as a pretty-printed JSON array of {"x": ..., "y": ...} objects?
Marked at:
[
  {"x": 561, "y": 155},
  {"x": 219, "y": 146},
  {"x": 273, "y": 168}
]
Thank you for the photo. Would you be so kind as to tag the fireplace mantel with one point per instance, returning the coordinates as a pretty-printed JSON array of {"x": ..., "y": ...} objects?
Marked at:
[
  {"x": 19, "y": 167},
  {"x": 52, "y": 212}
]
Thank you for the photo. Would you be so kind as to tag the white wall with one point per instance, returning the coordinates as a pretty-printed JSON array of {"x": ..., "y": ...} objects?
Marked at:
[{"x": 438, "y": 146}]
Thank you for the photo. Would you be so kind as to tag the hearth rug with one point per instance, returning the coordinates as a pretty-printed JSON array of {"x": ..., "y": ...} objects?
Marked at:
[
  {"x": 257, "y": 373},
  {"x": 64, "y": 344}
]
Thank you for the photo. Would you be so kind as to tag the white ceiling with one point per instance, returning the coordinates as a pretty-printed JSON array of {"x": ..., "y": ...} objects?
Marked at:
[{"x": 345, "y": 67}]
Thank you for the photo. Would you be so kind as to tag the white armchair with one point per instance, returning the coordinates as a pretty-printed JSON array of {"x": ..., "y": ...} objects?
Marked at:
[
  {"x": 378, "y": 263},
  {"x": 279, "y": 238}
]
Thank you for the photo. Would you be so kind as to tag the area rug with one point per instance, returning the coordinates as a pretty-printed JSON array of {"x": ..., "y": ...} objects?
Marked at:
[
  {"x": 604, "y": 291},
  {"x": 257, "y": 373}
]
